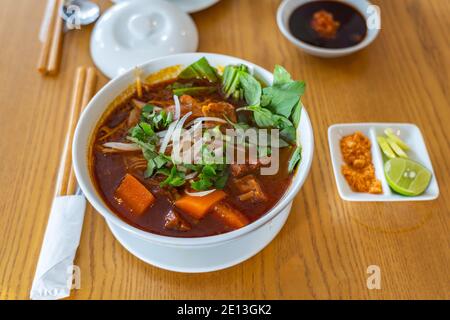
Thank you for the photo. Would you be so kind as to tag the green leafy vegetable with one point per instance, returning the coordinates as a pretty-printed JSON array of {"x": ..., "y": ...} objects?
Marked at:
[
  {"x": 274, "y": 107},
  {"x": 252, "y": 89},
  {"x": 295, "y": 159},
  {"x": 296, "y": 113},
  {"x": 277, "y": 106},
  {"x": 284, "y": 97},
  {"x": 211, "y": 175},
  {"x": 264, "y": 118},
  {"x": 156, "y": 120},
  {"x": 174, "y": 179},
  {"x": 280, "y": 76},
  {"x": 200, "y": 69},
  {"x": 288, "y": 134},
  {"x": 231, "y": 81}
]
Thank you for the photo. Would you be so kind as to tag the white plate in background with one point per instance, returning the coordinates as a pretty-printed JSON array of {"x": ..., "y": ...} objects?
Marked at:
[
  {"x": 189, "y": 6},
  {"x": 409, "y": 133}
]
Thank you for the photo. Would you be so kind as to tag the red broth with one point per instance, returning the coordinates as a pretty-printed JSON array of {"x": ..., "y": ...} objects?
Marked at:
[{"x": 109, "y": 169}]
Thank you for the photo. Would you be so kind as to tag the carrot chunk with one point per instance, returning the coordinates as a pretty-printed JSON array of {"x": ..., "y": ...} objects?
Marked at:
[
  {"x": 232, "y": 217},
  {"x": 134, "y": 194},
  {"x": 198, "y": 207}
]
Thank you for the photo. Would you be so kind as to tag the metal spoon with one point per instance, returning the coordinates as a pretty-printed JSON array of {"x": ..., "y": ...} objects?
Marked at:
[{"x": 79, "y": 13}]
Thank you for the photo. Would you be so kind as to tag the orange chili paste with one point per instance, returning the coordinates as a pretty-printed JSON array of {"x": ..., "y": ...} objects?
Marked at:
[
  {"x": 324, "y": 24},
  {"x": 358, "y": 169}
]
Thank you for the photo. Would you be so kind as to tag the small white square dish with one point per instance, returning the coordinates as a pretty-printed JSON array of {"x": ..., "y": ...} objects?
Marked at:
[{"x": 409, "y": 133}]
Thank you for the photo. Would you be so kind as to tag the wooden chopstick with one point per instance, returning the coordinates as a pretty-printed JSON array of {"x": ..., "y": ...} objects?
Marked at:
[
  {"x": 55, "y": 51},
  {"x": 84, "y": 88},
  {"x": 50, "y": 56},
  {"x": 45, "y": 49}
]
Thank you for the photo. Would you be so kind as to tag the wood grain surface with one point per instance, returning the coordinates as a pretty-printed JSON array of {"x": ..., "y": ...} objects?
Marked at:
[{"x": 327, "y": 244}]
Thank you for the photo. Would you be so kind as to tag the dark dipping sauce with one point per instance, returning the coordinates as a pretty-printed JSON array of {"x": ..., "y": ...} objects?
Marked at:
[
  {"x": 352, "y": 27},
  {"x": 109, "y": 169}
]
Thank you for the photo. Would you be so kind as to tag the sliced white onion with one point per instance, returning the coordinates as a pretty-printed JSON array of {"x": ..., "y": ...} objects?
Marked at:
[
  {"x": 138, "y": 104},
  {"x": 182, "y": 121},
  {"x": 173, "y": 126},
  {"x": 200, "y": 193},
  {"x": 167, "y": 137},
  {"x": 177, "y": 114},
  {"x": 201, "y": 119},
  {"x": 195, "y": 127},
  {"x": 191, "y": 175},
  {"x": 176, "y": 134},
  {"x": 161, "y": 133},
  {"x": 122, "y": 146}
]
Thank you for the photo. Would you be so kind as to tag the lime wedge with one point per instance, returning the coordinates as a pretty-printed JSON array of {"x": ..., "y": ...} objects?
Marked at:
[
  {"x": 387, "y": 150},
  {"x": 391, "y": 135},
  {"x": 407, "y": 177},
  {"x": 394, "y": 146}
]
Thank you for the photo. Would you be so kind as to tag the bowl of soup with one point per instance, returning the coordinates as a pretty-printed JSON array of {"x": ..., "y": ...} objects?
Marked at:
[{"x": 195, "y": 153}]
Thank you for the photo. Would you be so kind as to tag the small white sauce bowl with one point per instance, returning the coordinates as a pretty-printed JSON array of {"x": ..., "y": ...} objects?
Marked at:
[
  {"x": 287, "y": 7},
  {"x": 185, "y": 254}
]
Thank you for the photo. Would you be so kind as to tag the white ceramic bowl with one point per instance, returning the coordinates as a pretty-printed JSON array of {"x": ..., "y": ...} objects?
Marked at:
[
  {"x": 288, "y": 6},
  {"x": 86, "y": 127}
]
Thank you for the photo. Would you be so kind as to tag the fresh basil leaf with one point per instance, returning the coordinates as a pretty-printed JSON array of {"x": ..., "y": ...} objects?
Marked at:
[
  {"x": 252, "y": 89},
  {"x": 263, "y": 117},
  {"x": 288, "y": 134},
  {"x": 280, "y": 76},
  {"x": 295, "y": 159},
  {"x": 200, "y": 69},
  {"x": 265, "y": 100},
  {"x": 281, "y": 122},
  {"x": 296, "y": 114},
  {"x": 284, "y": 97}
]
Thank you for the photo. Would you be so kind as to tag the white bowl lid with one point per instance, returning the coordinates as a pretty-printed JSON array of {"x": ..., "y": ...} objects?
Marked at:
[
  {"x": 189, "y": 6},
  {"x": 132, "y": 33}
]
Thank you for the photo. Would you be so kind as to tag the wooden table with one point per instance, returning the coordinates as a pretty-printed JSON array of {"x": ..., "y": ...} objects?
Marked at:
[{"x": 327, "y": 244}]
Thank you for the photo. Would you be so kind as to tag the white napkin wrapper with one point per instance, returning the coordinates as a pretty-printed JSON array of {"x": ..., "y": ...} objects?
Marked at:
[
  {"x": 53, "y": 278},
  {"x": 45, "y": 25}
]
